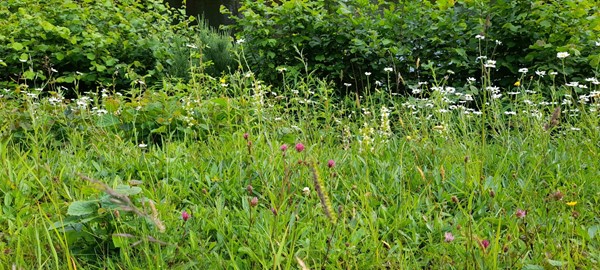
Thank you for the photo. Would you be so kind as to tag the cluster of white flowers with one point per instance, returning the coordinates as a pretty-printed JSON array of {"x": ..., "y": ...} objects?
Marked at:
[
  {"x": 98, "y": 111},
  {"x": 366, "y": 142},
  {"x": 490, "y": 64},
  {"x": 83, "y": 102},
  {"x": 385, "y": 129},
  {"x": 189, "y": 106},
  {"x": 562, "y": 55},
  {"x": 346, "y": 137},
  {"x": 259, "y": 96}
]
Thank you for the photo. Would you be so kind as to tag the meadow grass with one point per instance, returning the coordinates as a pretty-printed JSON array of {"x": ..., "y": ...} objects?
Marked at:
[{"x": 230, "y": 173}]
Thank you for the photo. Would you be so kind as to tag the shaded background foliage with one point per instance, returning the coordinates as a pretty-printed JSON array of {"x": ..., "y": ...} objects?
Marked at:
[
  {"x": 93, "y": 44},
  {"x": 116, "y": 43},
  {"x": 342, "y": 40}
]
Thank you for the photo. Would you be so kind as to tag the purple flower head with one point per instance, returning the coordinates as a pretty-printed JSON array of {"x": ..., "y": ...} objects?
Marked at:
[
  {"x": 330, "y": 163},
  {"x": 448, "y": 237},
  {"x": 283, "y": 147},
  {"x": 254, "y": 201},
  {"x": 299, "y": 147},
  {"x": 185, "y": 215},
  {"x": 485, "y": 244},
  {"x": 246, "y": 136},
  {"x": 521, "y": 213}
]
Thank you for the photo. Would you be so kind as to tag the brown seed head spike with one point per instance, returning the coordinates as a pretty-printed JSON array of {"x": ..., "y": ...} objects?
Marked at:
[
  {"x": 554, "y": 120},
  {"x": 322, "y": 192}
]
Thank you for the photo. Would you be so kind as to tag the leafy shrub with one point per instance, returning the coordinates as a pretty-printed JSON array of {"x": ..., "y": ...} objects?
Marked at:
[
  {"x": 534, "y": 31},
  {"x": 345, "y": 39},
  {"x": 87, "y": 43},
  {"x": 337, "y": 41}
]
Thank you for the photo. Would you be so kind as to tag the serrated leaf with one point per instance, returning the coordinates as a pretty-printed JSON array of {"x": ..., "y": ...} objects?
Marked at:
[{"x": 81, "y": 208}]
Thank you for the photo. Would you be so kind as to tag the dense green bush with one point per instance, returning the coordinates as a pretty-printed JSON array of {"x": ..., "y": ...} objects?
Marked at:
[
  {"x": 345, "y": 39},
  {"x": 91, "y": 43}
]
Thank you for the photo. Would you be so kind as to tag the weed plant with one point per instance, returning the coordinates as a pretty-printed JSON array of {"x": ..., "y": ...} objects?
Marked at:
[{"x": 228, "y": 173}]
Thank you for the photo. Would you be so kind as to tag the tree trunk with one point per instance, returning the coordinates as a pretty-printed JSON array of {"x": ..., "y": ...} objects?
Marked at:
[{"x": 209, "y": 9}]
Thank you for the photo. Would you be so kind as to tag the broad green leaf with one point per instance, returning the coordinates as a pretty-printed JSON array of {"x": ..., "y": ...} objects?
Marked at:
[
  {"x": 220, "y": 101},
  {"x": 24, "y": 57},
  {"x": 107, "y": 120},
  {"x": 100, "y": 68},
  {"x": 556, "y": 263},
  {"x": 47, "y": 26},
  {"x": 161, "y": 129},
  {"x": 532, "y": 267},
  {"x": 17, "y": 46},
  {"x": 462, "y": 53},
  {"x": 81, "y": 208},
  {"x": 593, "y": 230},
  {"x": 120, "y": 240},
  {"x": 30, "y": 75},
  {"x": 59, "y": 56},
  {"x": 127, "y": 190}
]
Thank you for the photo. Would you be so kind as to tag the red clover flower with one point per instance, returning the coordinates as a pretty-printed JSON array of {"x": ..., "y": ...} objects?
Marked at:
[
  {"x": 330, "y": 163},
  {"x": 299, "y": 147},
  {"x": 448, "y": 237},
  {"x": 185, "y": 215}
]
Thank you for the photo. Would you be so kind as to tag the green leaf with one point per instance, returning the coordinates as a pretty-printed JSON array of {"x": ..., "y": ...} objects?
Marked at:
[
  {"x": 90, "y": 56},
  {"x": 47, "y": 26},
  {"x": 556, "y": 263},
  {"x": 220, "y": 101},
  {"x": 532, "y": 267},
  {"x": 100, "y": 68},
  {"x": 127, "y": 190},
  {"x": 24, "y": 57},
  {"x": 119, "y": 240},
  {"x": 462, "y": 53},
  {"x": 81, "y": 208},
  {"x": 593, "y": 230},
  {"x": 30, "y": 75},
  {"x": 59, "y": 56},
  {"x": 161, "y": 129},
  {"x": 17, "y": 46},
  {"x": 66, "y": 79},
  {"x": 107, "y": 120}
]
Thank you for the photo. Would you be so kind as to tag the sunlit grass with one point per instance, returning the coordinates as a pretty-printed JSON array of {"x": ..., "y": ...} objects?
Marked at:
[{"x": 245, "y": 176}]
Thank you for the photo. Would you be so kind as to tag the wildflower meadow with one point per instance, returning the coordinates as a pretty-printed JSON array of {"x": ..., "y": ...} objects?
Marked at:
[{"x": 278, "y": 161}]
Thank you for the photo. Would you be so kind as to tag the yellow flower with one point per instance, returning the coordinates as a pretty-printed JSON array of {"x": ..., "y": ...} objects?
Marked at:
[
  {"x": 572, "y": 203},
  {"x": 517, "y": 83}
]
